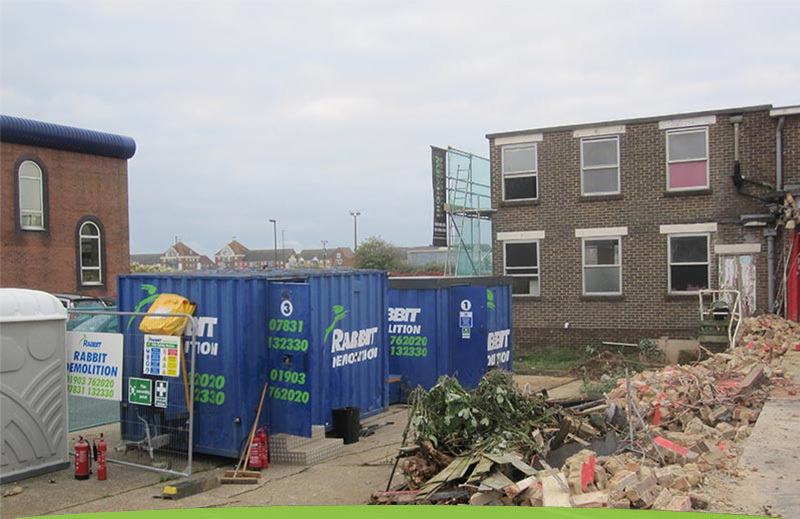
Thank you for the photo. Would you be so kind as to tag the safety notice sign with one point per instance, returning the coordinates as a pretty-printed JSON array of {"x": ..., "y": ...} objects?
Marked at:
[
  {"x": 161, "y": 355},
  {"x": 162, "y": 392},
  {"x": 140, "y": 391}
]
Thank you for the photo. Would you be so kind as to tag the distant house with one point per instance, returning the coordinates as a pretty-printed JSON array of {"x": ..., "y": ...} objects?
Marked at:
[
  {"x": 178, "y": 257},
  {"x": 235, "y": 256},
  {"x": 340, "y": 257},
  {"x": 182, "y": 257}
]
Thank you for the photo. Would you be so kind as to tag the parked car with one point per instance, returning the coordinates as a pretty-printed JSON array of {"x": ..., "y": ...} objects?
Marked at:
[
  {"x": 94, "y": 323},
  {"x": 78, "y": 301}
]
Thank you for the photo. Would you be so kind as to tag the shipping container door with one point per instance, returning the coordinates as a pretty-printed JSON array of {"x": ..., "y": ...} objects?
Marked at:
[
  {"x": 415, "y": 341},
  {"x": 468, "y": 333},
  {"x": 289, "y": 385},
  {"x": 498, "y": 326}
]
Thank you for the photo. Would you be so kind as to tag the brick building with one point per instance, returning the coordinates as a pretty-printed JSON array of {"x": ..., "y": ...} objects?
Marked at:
[
  {"x": 610, "y": 229},
  {"x": 63, "y": 207}
]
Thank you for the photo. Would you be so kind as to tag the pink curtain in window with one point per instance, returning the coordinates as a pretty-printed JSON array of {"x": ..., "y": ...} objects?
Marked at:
[{"x": 687, "y": 174}]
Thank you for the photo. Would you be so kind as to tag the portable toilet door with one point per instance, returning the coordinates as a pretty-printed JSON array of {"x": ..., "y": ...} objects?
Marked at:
[{"x": 33, "y": 384}]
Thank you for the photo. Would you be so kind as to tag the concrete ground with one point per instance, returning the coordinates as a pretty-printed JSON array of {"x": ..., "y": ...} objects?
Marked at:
[
  {"x": 350, "y": 479},
  {"x": 769, "y": 483},
  {"x": 347, "y": 480}
]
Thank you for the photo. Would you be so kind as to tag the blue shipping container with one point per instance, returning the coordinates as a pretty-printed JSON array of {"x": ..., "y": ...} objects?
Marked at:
[
  {"x": 317, "y": 338},
  {"x": 458, "y": 326}
]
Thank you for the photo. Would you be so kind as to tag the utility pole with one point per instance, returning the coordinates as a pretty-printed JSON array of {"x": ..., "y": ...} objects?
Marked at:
[
  {"x": 283, "y": 248},
  {"x": 355, "y": 215},
  {"x": 275, "y": 239},
  {"x": 324, "y": 253}
]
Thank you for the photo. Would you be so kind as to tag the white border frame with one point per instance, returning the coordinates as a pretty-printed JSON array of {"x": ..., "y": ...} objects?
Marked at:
[
  {"x": 584, "y": 169},
  {"x": 519, "y": 174},
  {"x": 20, "y": 176},
  {"x": 538, "y": 265},
  {"x": 583, "y": 266},
  {"x": 696, "y": 129},
  {"x": 99, "y": 267},
  {"x": 707, "y": 236}
]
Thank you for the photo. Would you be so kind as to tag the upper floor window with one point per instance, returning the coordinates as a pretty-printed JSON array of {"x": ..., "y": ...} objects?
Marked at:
[
  {"x": 687, "y": 159},
  {"x": 600, "y": 166},
  {"x": 520, "y": 172},
  {"x": 689, "y": 262},
  {"x": 31, "y": 196},
  {"x": 521, "y": 262},
  {"x": 90, "y": 254},
  {"x": 602, "y": 266}
]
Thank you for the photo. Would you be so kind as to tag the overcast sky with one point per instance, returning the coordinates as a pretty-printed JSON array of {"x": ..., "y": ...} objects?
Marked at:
[{"x": 301, "y": 111}]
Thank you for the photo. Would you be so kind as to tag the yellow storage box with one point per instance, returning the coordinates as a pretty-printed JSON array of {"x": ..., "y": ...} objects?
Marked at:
[{"x": 157, "y": 322}]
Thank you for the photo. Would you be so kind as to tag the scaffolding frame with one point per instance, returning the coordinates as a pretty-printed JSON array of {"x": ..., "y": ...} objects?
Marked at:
[{"x": 468, "y": 202}]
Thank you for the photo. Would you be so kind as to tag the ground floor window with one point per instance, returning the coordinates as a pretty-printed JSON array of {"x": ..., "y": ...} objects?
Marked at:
[
  {"x": 602, "y": 266},
  {"x": 688, "y": 263},
  {"x": 521, "y": 262}
]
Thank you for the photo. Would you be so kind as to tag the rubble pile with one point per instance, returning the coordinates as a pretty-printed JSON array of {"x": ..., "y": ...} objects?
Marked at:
[{"x": 675, "y": 426}]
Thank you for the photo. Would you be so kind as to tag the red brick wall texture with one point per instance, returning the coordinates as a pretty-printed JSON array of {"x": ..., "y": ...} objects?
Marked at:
[
  {"x": 78, "y": 186},
  {"x": 645, "y": 308}
]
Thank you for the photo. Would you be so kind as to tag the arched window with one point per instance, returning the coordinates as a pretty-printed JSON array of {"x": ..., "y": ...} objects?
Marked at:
[
  {"x": 31, "y": 196},
  {"x": 90, "y": 256}
]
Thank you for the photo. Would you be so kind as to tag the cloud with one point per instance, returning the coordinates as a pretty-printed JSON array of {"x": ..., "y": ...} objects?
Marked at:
[{"x": 301, "y": 111}]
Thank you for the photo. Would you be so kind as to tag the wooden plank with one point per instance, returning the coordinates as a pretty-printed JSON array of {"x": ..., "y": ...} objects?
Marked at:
[
  {"x": 190, "y": 487},
  {"x": 238, "y": 481},
  {"x": 243, "y": 473},
  {"x": 553, "y": 494}
]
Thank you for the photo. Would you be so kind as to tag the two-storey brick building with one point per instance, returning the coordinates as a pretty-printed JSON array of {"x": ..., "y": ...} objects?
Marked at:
[
  {"x": 610, "y": 229},
  {"x": 63, "y": 207}
]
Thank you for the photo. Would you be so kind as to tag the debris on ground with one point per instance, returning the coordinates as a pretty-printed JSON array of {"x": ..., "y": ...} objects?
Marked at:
[
  {"x": 671, "y": 429},
  {"x": 13, "y": 491}
]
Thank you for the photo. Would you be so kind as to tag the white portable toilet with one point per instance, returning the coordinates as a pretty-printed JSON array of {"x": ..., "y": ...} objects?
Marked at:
[{"x": 33, "y": 384}]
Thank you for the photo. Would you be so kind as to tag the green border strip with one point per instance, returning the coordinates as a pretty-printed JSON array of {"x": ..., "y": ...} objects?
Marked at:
[{"x": 369, "y": 512}]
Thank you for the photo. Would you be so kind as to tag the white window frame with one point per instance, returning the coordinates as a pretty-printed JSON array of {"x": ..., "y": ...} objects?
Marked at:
[
  {"x": 538, "y": 275},
  {"x": 519, "y": 174},
  {"x": 99, "y": 267},
  {"x": 584, "y": 265},
  {"x": 40, "y": 212},
  {"x": 584, "y": 168},
  {"x": 703, "y": 129},
  {"x": 695, "y": 263}
]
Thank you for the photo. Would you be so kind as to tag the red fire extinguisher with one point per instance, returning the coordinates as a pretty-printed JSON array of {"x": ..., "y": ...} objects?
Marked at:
[
  {"x": 100, "y": 450},
  {"x": 257, "y": 450},
  {"x": 264, "y": 451},
  {"x": 82, "y": 461}
]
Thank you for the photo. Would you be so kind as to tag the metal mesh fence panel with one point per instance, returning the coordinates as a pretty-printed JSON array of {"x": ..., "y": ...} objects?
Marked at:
[{"x": 134, "y": 388}]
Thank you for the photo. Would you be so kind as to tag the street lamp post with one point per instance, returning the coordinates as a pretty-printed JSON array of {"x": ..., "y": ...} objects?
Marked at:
[
  {"x": 283, "y": 247},
  {"x": 275, "y": 239},
  {"x": 355, "y": 215},
  {"x": 324, "y": 253}
]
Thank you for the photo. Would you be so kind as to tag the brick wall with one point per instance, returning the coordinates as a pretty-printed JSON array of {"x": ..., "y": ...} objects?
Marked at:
[
  {"x": 78, "y": 185},
  {"x": 645, "y": 308}
]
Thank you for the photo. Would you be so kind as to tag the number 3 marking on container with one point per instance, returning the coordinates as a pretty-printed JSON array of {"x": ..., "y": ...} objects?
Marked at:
[{"x": 287, "y": 308}]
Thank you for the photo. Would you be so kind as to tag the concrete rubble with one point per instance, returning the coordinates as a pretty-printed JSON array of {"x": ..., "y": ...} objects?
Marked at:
[{"x": 677, "y": 425}]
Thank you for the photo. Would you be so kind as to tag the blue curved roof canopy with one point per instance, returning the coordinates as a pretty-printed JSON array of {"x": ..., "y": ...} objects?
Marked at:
[{"x": 48, "y": 135}]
